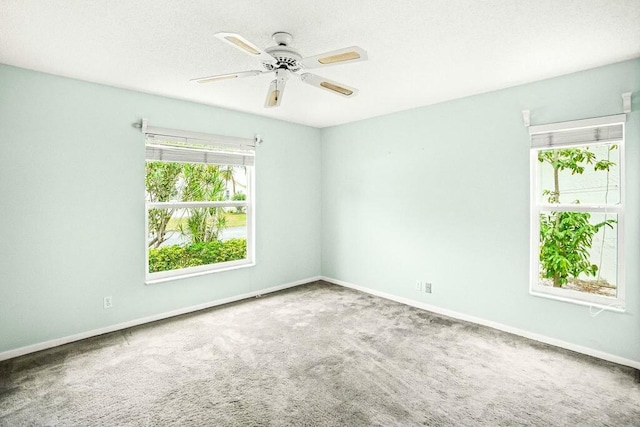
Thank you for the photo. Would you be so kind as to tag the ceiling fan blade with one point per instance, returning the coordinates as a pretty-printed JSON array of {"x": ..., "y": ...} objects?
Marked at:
[
  {"x": 340, "y": 56},
  {"x": 210, "y": 79},
  {"x": 330, "y": 85},
  {"x": 239, "y": 42}
]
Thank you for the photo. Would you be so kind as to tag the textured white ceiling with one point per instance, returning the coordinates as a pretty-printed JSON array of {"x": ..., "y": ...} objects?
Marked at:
[{"x": 421, "y": 52}]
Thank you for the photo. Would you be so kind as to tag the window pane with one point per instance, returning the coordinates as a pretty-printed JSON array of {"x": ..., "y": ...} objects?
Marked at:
[
  {"x": 184, "y": 182},
  {"x": 579, "y": 251},
  {"x": 587, "y": 175},
  {"x": 182, "y": 238}
]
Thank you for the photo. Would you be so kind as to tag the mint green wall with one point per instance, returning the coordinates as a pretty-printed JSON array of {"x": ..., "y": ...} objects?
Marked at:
[
  {"x": 72, "y": 191},
  {"x": 441, "y": 194}
]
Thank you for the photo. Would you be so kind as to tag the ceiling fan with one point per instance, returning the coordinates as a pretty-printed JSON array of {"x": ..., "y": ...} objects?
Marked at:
[{"x": 285, "y": 61}]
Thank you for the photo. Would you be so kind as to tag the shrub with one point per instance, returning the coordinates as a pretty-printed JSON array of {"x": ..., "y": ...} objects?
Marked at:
[
  {"x": 565, "y": 243},
  {"x": 237, "y": 197},
  {"x": 192, "y": 255}
]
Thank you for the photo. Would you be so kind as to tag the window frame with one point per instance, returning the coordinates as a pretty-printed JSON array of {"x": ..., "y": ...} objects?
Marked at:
[
  {"x": 248, "y": 203},
  {"x": 537, "y": 206}
]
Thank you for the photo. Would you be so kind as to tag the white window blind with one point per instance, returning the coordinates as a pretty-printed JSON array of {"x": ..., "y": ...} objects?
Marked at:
[
  {"x": 579, "y": 132},
  {"x": 174, "y": 145}
]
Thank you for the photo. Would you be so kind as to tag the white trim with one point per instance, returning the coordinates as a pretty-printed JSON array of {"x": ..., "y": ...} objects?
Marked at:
[
  {"x": 617, "y": 303},
  {"x": 564, "y": 207},
  {"x": 200, "y": 270},
  {"x": 250, "y": 212},
  {"x": 9, "y": 354},
  {"x": 181, "y": 273},
  {"x": 576, "y": 124},
  {"x": 491, "y": 324},
  {"x": 205, "y": 204},
  {"x": 564, "y": 295}
]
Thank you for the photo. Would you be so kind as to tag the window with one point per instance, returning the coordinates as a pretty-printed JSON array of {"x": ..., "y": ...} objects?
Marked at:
[
  {"x": 199, "y": 203},
  {"x": 577, "y": 211}
]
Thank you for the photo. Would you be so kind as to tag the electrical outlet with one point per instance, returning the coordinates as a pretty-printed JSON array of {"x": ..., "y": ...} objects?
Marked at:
[
  {"x": 108, "y": 302},
  {"x": 418, "y": 285},
  {"x": 427, "y": 287}
]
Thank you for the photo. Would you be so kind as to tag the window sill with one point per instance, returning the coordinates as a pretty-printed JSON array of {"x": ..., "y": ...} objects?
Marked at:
[
  {"x": 614, "y": 306},
  {"x": 199, "y": 273}
]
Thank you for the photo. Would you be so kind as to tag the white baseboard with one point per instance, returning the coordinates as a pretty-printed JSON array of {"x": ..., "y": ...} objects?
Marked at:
[
  {"x": 9, "y": 354},
  {"x": 495, "y": 325}
]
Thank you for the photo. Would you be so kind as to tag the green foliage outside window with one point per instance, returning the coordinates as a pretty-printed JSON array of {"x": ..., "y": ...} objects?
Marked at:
[
  {"x": 240, "y": 196},
  {"x": 160, "y": 181},
  {"x": 200, "y": 227},
  {"x": 176, "y": 256},
  {"x": 203, "y": 183},
  {"x": 566, "y": 238}
]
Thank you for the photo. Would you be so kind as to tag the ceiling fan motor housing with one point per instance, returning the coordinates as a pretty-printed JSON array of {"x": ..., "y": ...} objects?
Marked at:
[{"x": 286, "y": 56}]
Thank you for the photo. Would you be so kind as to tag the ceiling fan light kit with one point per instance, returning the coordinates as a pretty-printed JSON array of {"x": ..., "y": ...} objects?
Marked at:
[
  {"x": 285, "y": 61},
  {"x": 276, "y": 88}
]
